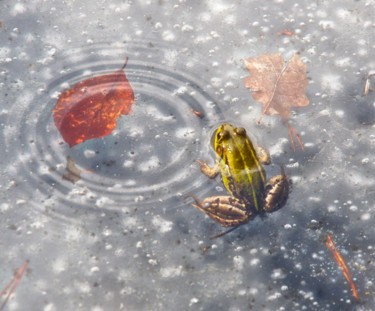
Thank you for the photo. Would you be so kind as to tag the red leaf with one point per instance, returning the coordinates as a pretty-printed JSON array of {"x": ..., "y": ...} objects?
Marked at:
[{"x": 91, "y": 107}]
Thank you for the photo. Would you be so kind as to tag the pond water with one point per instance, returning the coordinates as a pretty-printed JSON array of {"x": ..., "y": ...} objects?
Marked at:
[{"x": 122, "y": 236}]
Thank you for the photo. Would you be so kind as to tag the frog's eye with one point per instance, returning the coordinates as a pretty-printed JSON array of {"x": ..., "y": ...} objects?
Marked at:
[
  {"x": 222, "y": 135},
  {"x": 240, "y": 131},
  {"x": 218, "y": 136}
]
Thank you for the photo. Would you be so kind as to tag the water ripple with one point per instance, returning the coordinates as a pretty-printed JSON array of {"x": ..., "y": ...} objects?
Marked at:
[{"x": 148, "y": 156}]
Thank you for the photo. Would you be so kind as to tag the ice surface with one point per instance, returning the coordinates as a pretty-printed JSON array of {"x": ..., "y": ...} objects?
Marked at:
[{"x": 123, "y": 237}]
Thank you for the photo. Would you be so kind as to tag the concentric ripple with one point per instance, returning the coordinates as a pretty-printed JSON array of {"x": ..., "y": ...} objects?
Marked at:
[{"x": 148, "y": 156}]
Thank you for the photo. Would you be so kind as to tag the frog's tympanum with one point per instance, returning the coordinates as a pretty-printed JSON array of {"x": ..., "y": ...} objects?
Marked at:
[{"x": 244, "y": 176}]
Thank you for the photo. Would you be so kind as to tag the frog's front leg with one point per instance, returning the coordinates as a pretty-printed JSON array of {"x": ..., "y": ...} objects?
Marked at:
[
  {"x": 263, "y": 155},
  {"x": 277, "y": 190},
  {"x": 209, "y": 171},
  {"x": 225, "y": 210}
]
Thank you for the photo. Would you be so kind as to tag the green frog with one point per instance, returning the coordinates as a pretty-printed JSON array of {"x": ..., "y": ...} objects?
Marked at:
[{"x": 243, "y": 175}]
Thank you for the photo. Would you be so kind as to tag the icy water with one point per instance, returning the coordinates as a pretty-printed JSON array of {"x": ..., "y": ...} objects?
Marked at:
[{"x": 123, "y": 237}]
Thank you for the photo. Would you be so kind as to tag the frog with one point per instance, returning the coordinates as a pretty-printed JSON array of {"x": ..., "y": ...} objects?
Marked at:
[{"x": 240, "y": 163}]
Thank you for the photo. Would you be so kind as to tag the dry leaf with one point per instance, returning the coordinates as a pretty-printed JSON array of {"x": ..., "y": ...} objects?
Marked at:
[
  {"x": 278, "y": 86},
  {"x": 91, "y": 107}
]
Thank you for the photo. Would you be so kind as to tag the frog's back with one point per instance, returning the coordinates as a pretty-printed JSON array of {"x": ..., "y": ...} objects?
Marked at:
[{"x": 242, "y": 172}]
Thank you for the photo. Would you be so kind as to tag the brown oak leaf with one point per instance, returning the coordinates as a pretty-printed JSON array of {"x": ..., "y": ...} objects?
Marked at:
[{"x": 278, "y": 86}]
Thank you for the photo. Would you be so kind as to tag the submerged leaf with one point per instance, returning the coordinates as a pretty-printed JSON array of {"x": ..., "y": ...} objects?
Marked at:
[
  {"x": 278, "y": 86},
  {"x": 91, "y": 107}
]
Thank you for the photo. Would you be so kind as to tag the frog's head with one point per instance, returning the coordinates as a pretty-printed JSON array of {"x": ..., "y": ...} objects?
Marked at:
[{"x": 225, "y": 137}]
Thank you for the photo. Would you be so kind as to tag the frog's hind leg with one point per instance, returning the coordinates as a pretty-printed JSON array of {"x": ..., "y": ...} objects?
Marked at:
[
  {"x": 225, "y": 210},
  {"x": 277, "y": 190}
]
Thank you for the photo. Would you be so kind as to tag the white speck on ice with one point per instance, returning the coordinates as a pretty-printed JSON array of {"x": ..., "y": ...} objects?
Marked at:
[
  {"x": 343, "y": 62},
  {"x": 254, "y": 261},
  {"x": 150, "y": 164},
  {"x": 130, "y": 222},
  {"x": 346, "y": 16},
  {"x": 238, "y": 262},
  {"x": 4, "y": 51},
  {"x": 89, "y": 153},
  {"x": 340, "y": 113},
  {"x": 171, "y": 272},
  {"x": 278, "y": 274},
  {"x": 321, "y": 13},
  {"x": 205, "y": 17},
  {"x": 366, "y": 216},
  {"x": 168, "y": 35},
  {"x": 83, "y": 286},
  {"x": 128, "y": 163},
  {"x": 4, "y": 207},
  {"x": 229, "y": 19},
  {"x": 72, "y": 233},
  {"x": 277, "y": 148},
  {"x": 161, "y": 224},
  {"x": 171, "y": 56},
  {"x": 153, "y": 262},
  {"x": 49, "y": 307},
  {"x": 185, "y": 133},
  {"x": 217, "y": 7},
  {"x": 107, "y": 232},
  {"x": 331, "y": 208},
  {"x": 103, "y": 202},
  {"x": 58, "y": 265},
  {"x": 331, "y": 83},
  {"x": 325, "y": 24},
  {"x": 274, "y": 296},
  {"x": 18, "y": 8},
  {"x": 216, "y": 82},
  {"x": 186, "y": 28},
  {"x": 365, "y": 161},
  {"x": 158, "y": 115},
  {"x": 180, "y": 90},
  {"x": 193, "y": 301}
]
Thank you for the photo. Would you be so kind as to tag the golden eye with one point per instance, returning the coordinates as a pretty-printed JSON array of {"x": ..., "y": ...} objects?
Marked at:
[
  {"x": 218, "y": 136},
  {"x": 222, "y": 135},
  {"x": 240, "y": 131}
]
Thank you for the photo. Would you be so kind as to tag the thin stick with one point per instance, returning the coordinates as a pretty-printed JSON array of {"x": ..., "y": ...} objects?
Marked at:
[
  {"x": 223, "y": 233},
  {"x": 291, "y": 129},
  {"x": 342, "y": 265},
  {"x": 16, "y": 279},
  {"x": 126, "y": 62}
]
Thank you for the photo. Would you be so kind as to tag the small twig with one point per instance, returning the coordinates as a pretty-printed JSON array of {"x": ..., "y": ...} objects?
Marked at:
[
  {"x": 291, "y": 132},
  {"x": 126, "y": 62},
  {"x": 342, "y": 265},
  {"x": 14, "y": 283}
]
